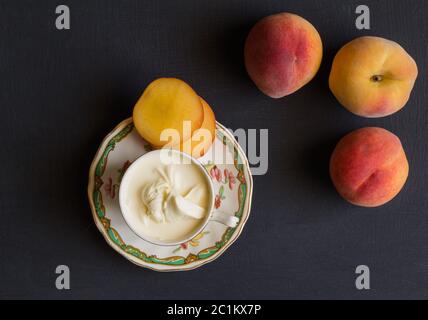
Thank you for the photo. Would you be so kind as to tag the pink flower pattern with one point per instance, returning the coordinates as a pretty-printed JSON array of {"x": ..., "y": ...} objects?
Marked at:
[
  {"x": 110, "y": 188},
  {"x": 229, "y": 177},
  {"x": 216, "y": 173},
  {"x": 226, "y": 178},
  {"x": 217, "y": 202}
]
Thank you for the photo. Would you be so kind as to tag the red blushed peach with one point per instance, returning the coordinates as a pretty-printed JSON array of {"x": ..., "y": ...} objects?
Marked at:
[
  {"x": 282, "y": 52},
  {"x": 369, "y": 167}
]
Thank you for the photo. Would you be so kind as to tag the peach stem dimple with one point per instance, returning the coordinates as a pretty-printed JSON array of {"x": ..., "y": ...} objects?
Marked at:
[{"x": 376, "y": 78}]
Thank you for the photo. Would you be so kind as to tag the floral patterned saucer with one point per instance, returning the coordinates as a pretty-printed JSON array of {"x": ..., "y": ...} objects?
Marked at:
[{"x": 233, "y": 185}]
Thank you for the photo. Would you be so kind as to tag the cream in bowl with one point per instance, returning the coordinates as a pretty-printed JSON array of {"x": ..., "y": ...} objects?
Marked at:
[{"x": 167, "y": 198}]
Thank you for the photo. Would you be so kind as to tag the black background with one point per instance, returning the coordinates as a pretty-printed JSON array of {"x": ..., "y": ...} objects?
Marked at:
[{"x": 61, "y": 92}]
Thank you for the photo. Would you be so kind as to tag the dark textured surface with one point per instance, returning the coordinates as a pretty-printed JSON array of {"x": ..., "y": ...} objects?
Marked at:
[{"x": 62, "y": 91}]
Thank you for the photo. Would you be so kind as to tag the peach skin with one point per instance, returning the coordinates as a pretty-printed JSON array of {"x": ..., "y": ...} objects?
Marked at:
[
  {"x": 282, "y": 53},
  {"x": 202, "y": 138},
  {"x": 167, "y": 104},
  {"x": 373, "y": 77},
  {"x": 369, "y": 167}
]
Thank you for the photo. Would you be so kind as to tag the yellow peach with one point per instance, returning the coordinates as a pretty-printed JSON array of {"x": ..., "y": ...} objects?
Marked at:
[
  {"x": 372, "y": 77},
  {"x": 167, "y": 104},
  {"x": 202, "y": 138}
]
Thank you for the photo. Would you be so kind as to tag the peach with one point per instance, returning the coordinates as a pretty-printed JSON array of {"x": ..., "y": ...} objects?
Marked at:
[
  {"x": 372, "y": 77},
  {"x": 168, "y": 104},
  {"x": 369, "y": 167},
  {"x": 202, "y": 138},
  {"x": 283, "y": 53}
]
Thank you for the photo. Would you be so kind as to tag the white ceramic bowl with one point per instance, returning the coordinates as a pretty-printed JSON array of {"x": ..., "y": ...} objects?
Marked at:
[{"x": 125, "y": 210}]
